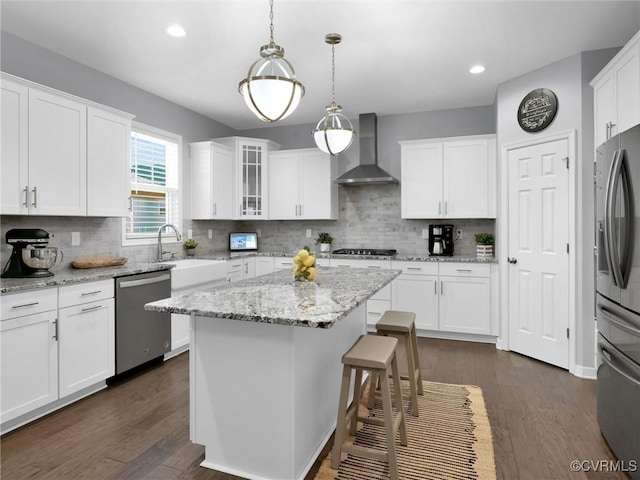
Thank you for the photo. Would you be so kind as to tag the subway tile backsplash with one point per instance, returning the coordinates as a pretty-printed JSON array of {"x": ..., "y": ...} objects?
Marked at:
[{"x": 369, "y": 216}]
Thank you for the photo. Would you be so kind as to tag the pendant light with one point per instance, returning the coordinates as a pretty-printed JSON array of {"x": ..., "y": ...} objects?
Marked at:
[
  {"x": 334, "y": 133},
  {"x": 271, "y": 90}
]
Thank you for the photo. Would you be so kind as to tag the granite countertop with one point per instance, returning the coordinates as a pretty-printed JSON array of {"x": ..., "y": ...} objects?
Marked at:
[
  {"x": 70, "y": 275},
  {"x": 276, "y": 298}
]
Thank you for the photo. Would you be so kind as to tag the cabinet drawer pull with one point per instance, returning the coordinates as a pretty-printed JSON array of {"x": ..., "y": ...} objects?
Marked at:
[
  {"x": 414, "y": 268},
  {"x": 95, "y": 307},
  {"x": 374, "y": 266},
  {"x": 286, "y": 263},
  {"x": 90, "y": 293},
  {"x": 463, "y": 270},
  {"x": 340, "y": 265},
  {"x": 25, "y": 305},
  {"x": 374, "y": 313}
]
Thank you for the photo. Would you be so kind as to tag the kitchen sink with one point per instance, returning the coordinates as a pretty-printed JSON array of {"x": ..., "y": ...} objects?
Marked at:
[{"x": 191, "y": 272}]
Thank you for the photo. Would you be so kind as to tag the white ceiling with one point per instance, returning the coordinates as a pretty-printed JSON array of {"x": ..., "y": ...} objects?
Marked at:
[{"x": 395, "y": 57}]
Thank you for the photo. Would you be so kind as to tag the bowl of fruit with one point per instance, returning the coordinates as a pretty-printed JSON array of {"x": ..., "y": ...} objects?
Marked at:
[{"x": 304, "y": 266}]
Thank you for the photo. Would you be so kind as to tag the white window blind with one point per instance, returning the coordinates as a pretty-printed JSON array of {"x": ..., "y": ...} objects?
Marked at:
[{"x": 155, "y": 196}]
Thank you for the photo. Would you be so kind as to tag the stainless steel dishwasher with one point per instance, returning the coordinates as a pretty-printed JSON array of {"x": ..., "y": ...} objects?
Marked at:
[{"x": 142, "y": 337}]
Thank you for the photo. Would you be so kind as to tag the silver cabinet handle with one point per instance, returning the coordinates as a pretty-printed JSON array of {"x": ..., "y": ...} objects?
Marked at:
[
  {"x": 441, "y": 287},
  {"x": 88, "y": 309},
  {"x": 35, "y": 197},
  {"x": 286, "y": 263},
  {"x": 435, "y": 287},
  {"x": 439, "y": 208},
  {"x": 145, "y": 281},
  {"x": 26, "y": 196},
  {"x": 55, "y": 329},
  {"x": 414, "y": 268},
  {"x": 25, "y": 305},
  {"x": 300, "y": 209},
  {"x": 463, "y": 270},
  {"x": 374, "y": 266},
  {"x": 445, "y": 207},
  {"x": 348, "y": 266},
  {"x": 90, "y": 293}
]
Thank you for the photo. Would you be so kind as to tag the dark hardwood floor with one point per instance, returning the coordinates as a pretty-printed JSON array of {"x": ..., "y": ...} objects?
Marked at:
[{"x": 542, "y": 418}]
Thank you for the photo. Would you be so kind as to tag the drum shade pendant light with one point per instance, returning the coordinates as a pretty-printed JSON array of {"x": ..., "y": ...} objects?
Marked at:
[
  {"x": 271, "y": 90},
  {"x": 334, "y": 133}
]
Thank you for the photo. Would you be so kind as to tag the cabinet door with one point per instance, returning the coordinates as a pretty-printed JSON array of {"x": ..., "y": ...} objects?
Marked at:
[
  {"x": 57, "y": 155},
  {"x": 221, "y": 182},
  {"x": 108, "y": 163},
  {"x": 201, "y": 159},
  {"x": 318, "y": 192},
  {"x": 627, "y": 87},
  {"x": 14, "y": 167},
  {"x": 29, "y": 364},
  {"x": 284, "y": 178},
  {"x": 604, "y": 113},
  {"x": 252, "y": 178},
  {"x": 465, "y": 305},
  {"x": 421, "y": 181},
  {"x": 263, "y": 265},
  {"x": 466, "y": 176},
  {"x": 418, "y": 294},
  {"x": 86, "y": 336}
]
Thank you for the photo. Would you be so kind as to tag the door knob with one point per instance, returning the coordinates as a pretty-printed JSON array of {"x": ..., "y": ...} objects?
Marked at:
[{"x": 512, "y": 260}]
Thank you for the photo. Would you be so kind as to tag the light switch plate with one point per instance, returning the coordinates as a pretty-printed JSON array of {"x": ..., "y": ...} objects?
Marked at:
[
  {"x": 425, "y": 233},
  {"x": 210, "y": 234},
  {"x": 308, "y": 233},
  {"x": 75, "y": 239}
]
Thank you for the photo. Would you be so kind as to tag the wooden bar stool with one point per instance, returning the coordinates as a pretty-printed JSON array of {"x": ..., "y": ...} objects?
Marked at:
[
  {"x": 374, "y": 354},
  {"x": 403, "y": 323}
]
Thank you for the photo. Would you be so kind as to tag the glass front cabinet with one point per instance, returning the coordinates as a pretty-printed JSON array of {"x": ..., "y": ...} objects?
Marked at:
[{"x": 251, "y": 170}]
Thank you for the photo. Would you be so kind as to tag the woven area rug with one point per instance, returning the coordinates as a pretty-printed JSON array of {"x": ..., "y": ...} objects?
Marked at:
[{"x": 451, "y": 439}]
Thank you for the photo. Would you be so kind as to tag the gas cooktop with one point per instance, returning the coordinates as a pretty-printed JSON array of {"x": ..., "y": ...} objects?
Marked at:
[{"x": 365, "y": 251}]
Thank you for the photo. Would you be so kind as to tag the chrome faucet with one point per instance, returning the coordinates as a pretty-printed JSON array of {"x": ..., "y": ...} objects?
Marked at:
[{"x": 178, "y": 237}]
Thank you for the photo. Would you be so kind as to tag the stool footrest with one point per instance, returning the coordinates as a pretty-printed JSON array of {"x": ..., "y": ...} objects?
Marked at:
[{"x": 368, "y": 452}]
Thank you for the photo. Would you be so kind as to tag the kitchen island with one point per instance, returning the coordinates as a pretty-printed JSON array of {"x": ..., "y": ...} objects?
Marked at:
[{"x": 265, "y": 366}]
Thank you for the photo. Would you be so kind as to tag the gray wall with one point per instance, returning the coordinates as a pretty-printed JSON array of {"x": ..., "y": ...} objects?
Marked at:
[{"x": 569, "y": 80}]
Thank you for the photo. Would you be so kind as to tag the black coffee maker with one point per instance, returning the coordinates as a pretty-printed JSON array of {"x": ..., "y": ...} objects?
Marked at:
[{"x": 441, "y": 240}]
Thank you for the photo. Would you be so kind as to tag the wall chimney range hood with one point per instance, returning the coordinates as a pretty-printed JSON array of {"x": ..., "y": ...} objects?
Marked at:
[{"x": 367, "y": 172}]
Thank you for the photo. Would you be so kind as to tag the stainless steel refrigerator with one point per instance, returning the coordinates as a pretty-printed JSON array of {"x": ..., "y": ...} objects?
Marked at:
[{"x": 617, "y": 189}]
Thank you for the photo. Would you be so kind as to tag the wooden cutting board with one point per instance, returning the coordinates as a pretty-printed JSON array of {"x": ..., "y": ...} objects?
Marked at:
[{"x": 97, "y": 262}]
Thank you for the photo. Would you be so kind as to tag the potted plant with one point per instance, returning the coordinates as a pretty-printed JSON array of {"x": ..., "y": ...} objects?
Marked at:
[
  {"x": 324, "y": 239},
  {"x": 190, "y": 245},
  {"x": 484, "y": 245}
]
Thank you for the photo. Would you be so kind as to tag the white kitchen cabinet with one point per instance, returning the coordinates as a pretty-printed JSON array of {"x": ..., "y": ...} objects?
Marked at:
[
  {"x": 28, "y": 352},
  {"x": 415, "y": 290},
  {"x": 617, "y": 93},
  {"x": 61, "y": 155},
  {"x": 108, "y": 163},
  {"x": 14, "y": 165},
  {"x": 449, "y": 177},
  {"x": 212, "y": 174},
  {"x": 286, "y": 263},
  {"x": 240, "y": 269},
  {"x": 251, "y": 169},
  {"x": 86, "y": 335},
  {"x": 301, "y": 185},
  {"x": 263, "y": 265}
]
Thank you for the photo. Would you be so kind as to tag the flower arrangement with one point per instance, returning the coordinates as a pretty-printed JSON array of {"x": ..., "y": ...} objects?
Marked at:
[
  {"x": 324, "y": 239},
  {"x": 484, "y": 245},
  {"x": 190, "y": 243},
  {"x": 304, "y": 265},
  {"x": 484, "y": 238}
]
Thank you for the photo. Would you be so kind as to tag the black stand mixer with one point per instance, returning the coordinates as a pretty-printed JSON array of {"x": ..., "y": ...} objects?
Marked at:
[{"x": 30, "y": 258}]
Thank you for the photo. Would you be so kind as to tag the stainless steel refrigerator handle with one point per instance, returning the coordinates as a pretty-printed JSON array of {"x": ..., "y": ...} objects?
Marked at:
[
  {"x": 607, "y": 360},
  {"x": 145, "y": 281},
  {"x": 612, "y": 190},
  {"x": 629, "y": 211},
  {"x": 612, "y": 317}
]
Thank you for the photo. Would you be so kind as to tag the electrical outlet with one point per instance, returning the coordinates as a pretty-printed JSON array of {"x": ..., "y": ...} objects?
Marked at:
[
  {"x": 75, "y": 239},
  {"x": 458, "y": 234},
  {"x": 308, "y": 233},
  {"x": 258, "y": 232},
  {"x": 210, "y": 234},
  {"x": 425, "y": 233},
  {"x": 189, "y": 233}
]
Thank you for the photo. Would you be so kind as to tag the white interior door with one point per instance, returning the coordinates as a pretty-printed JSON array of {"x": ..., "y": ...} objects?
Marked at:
[{"x": 538, "y": 251}]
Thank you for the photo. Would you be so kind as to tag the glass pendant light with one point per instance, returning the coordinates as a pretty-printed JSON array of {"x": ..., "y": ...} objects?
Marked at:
[
  {"x": 271, "y": 90},
  {"x": 334, "y": 133}
]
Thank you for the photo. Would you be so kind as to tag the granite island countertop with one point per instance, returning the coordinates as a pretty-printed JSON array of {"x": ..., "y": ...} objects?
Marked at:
[{"x": 277, "y": 299}]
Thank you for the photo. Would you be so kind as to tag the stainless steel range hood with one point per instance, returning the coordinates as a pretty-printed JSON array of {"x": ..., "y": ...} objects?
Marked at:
[{"x": 367, "y": 172}]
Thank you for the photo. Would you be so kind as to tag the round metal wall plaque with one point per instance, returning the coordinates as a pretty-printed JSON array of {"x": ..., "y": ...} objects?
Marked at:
[{"x": 537, "y": 110}]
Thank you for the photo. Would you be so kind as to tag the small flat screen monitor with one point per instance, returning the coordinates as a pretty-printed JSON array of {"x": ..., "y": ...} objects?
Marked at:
[{"x": 243, "y": 242}]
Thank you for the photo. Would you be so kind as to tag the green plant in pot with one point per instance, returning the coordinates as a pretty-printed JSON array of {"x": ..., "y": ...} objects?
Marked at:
[
  {"x": 190, "y": 245},
  {"x": 484, "y": 245},
  {"x": 324, "y": 239}
]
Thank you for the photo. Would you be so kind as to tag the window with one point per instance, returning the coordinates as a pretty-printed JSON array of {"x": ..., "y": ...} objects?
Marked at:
[{"x": 155, "y": 196}]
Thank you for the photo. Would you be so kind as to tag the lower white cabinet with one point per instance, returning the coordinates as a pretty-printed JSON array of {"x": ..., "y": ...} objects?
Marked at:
[
  {"x": 263, "y": 265},
  {"x": 86, "y": 335},
  {"x": 415, "y": 290},
  {"x": 240, "y": 268},
  {"x": 28, "y": 352}
]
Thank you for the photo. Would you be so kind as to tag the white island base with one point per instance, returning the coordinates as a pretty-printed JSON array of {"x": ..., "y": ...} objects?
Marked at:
[{"x": 264, "y": 397}]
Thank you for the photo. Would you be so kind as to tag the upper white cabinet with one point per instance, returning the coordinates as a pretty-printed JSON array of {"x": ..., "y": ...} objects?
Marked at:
[
  {"x": 301, "y": 185},
  {"x": 61, "y": 155},
  {"x": 251, "y": 164},
  {"x": 108, "y": 163},
  {"x": 616, "y": 92},
  {"x": 449, "y": 177},
  {"x": 212, "y": 173}
]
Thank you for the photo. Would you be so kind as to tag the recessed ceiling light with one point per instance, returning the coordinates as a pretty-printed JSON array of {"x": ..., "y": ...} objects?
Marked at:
[
  {"x": 175, "y": 31},
  {"x": 476, "y": 69}
]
